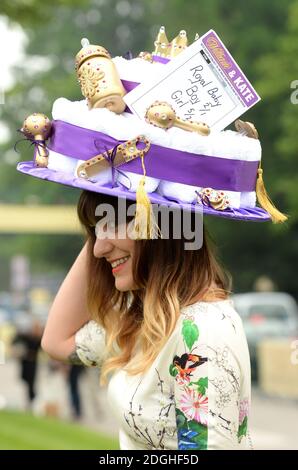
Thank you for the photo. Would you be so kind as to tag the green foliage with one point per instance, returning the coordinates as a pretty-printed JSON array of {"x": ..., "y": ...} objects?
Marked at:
[
  {"x": 202, "y": 385},
  {"x": 242, "y": 428},
  {"x": 190, "y": 333},
  {"x": 263, "y": 38},
  {"x": 173, "y": 370},
  {"x": 201, "y": 439},
  {"x": 31, "y": 11}
]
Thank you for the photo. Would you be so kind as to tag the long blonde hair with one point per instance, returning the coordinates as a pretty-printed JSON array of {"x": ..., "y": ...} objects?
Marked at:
[{"x": 139, "y": 322}]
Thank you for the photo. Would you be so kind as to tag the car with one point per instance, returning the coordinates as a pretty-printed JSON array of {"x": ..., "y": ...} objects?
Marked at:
[{"x": 266, "y": 315}]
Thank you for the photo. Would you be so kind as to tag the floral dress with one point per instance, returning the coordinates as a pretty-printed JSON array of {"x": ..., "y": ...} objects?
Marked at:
[{"x": 196, "y": 394}]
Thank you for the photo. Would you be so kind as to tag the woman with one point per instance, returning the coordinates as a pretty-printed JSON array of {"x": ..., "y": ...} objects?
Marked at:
[
  {"x": 160, "y": 325},
  {"x": 162, "y": 328}
]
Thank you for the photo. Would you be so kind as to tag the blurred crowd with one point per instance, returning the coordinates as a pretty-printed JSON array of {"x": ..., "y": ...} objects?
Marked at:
[{"x": 44, "y": 380}]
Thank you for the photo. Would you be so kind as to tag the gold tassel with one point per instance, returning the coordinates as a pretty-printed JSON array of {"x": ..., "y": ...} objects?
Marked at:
[
  {"x": 145, "y": 225},
  {"x": 265, "y": 201}
]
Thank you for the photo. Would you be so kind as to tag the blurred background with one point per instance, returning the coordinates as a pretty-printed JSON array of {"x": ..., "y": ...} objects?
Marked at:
[{"x": 44, "y": 405}]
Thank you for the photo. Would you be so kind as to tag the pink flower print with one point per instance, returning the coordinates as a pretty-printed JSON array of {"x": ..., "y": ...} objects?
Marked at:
[
  {"x": 243, "y": 411},
  {"x": 195, "y": 406}
]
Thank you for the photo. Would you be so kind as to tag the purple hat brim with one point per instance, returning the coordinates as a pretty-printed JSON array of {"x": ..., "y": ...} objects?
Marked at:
[{"x": 253, "y": 214}]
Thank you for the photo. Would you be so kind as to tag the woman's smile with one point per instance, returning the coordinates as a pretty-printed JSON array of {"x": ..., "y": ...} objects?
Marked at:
[{"x": 119, "y": 264}]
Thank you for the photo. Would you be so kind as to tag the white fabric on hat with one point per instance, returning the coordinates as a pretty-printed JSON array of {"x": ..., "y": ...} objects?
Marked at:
[
  {"x": 131, "y": 181},
  {"x": 103, "y": 177},
  {"x": 183, "y": 192},
  {"x": 248, "y": 199},
  {"x": 136, "y": 70},
  {"x": 69, "y": 165},
  {"x": 186, "y": 193},
  {"x": 57, "y": 161}
]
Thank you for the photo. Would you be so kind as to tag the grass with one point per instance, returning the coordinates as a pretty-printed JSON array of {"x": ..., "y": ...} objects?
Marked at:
[{"x": 23, "y": 431}]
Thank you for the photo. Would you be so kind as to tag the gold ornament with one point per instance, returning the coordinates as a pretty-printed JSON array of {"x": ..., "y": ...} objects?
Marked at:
[
  {"x": 179, "y": 44},
  {"x": 162, "y": 114},
  {"x": 167, "y": 49},
  {"x": 37, "y": 127},
  {"x": 161, "y": 43},
  {"x": 277, "y": 217},
  {"x": 124, "y": 153},
  {"x": 214, "y": 198},
  {"x": 246, "y": 128},
  {"x": 265, "y": 202},
  {"x": 146, "y": 56},
  {"x": 99, "y": 79}
]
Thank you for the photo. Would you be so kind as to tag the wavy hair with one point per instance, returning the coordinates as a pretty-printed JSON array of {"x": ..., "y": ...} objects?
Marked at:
[{"x": 139, "y": 322}]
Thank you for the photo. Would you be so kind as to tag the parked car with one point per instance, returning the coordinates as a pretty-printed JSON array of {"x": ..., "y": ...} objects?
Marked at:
[{"x": 266, "y": 315}]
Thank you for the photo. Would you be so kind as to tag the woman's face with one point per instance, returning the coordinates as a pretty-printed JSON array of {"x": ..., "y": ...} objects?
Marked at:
[{"x": 117, "y": 248}]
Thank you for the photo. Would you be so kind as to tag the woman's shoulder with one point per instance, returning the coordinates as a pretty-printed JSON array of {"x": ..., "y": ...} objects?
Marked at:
[{"x": 220, "y": 315}]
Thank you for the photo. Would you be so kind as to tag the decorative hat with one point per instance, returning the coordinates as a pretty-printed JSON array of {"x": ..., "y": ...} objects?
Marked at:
[{"x": 98, "y": 144}]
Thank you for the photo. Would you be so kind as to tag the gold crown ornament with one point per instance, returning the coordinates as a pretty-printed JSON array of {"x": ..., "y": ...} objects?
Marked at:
[
  {"x": 99, "y": 79},
  {"x": 164, "y": 48},
  {"x": 162, "y": 114}
]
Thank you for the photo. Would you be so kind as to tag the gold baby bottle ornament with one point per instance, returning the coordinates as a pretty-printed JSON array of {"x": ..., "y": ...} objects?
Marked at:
[{"x": 99, "y": 79}]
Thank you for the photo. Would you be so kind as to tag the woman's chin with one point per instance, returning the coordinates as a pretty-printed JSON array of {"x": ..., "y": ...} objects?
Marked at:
[{"x": 123, "y": 285}]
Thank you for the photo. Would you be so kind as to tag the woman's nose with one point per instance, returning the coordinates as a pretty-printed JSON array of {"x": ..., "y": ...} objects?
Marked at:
[{"x": 102, "y": 247}]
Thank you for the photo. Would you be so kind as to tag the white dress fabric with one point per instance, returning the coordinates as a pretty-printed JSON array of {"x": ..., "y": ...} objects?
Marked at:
[{"x": 195, "y": 396}]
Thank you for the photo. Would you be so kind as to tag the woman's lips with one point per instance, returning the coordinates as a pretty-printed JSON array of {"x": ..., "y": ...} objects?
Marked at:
[{"x": 115, "y": 270}]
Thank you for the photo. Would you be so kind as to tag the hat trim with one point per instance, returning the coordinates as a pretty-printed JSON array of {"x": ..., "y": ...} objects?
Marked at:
[{"x": 253, "y": 214}]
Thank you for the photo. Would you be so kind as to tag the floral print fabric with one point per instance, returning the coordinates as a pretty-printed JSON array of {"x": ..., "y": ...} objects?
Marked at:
[
  {"x": 212, "y": 375},
  {"x": 195, "y": 396}
]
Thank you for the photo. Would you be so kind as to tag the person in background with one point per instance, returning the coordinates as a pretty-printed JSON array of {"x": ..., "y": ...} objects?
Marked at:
[
  {"x": 73, "y": 382},
  {"x": 26, "y": 346}
]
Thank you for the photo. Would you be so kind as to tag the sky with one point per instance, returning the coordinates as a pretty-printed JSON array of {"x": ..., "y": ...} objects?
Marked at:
[
  {"x": 14, "y": 36},
  {"x": 12, "y": 44}
]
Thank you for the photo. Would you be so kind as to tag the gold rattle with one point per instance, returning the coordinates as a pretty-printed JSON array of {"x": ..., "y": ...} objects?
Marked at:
[
  {"x": 37, "y": 127},
  {"x": 162, "y": 114}
]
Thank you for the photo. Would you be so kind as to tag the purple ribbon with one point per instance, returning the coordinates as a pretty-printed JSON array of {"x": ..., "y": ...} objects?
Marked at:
[
  {"x": 129, "y": 86},
  {"x": 161, "y": 162},
  {"x": 158, "y": 58},
  {"x": 36, "y": 142},
  {"x": 110, "y": 157}
]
